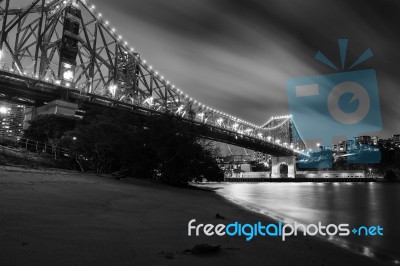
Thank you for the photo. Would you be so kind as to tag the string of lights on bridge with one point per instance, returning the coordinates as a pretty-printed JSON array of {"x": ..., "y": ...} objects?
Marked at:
[{"x": 113, "y": 31}]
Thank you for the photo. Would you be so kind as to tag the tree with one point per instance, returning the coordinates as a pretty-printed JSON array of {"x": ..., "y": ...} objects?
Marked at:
[
  {"x": 181, "y": 156},
  {"x": 49, "y": 129},
  {"x": 111, "y": 140},
  {"x": 157, "y": 146},
  {"x": 46, "y": 127}
]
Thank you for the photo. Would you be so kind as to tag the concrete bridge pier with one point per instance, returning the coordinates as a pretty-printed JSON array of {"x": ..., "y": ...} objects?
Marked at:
[
  {"x": 286, "y": 161},
  {"x": 56, "y": 107}
]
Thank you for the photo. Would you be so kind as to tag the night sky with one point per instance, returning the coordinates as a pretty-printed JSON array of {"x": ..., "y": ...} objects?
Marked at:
[{"x": 237, "y": 55}]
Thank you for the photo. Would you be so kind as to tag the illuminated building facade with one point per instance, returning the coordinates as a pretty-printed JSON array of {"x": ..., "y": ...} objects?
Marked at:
[{"x": 11, "y": 120}]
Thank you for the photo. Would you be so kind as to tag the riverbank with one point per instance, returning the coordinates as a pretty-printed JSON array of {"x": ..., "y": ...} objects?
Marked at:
[
  {"x": 54, "y": 217},
  {"x": 13, "y": 156},
  {"x": 301, "y": 179}
]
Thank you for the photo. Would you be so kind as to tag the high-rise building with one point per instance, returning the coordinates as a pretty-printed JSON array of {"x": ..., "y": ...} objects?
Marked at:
[
  {"x": 375, "y": 140},
  {"x": 342, "y": 147},
  {"x": 11, "y": 120},
  {"x": 363, "y": 140}
]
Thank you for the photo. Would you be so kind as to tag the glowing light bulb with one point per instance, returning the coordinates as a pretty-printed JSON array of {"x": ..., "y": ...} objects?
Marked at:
[{"x": 3, "y": 110}]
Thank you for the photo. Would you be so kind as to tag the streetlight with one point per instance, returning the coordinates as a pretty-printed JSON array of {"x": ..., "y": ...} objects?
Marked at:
[
  {"x": 370, "y": 171},
  {"x": 3, "y": 110},
  {"x": 113, "y": 89}
]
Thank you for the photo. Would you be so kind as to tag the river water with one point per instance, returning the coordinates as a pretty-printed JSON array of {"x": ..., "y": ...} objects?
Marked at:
[{"x": 357, "y": 204}]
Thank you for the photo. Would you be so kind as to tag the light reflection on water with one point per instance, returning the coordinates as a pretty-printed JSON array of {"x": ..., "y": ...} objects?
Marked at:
[{"x": 357, "y": 204}]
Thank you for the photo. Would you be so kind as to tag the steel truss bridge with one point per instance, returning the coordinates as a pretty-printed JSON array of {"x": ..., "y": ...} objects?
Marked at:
[{"x": 67, "y": 50}]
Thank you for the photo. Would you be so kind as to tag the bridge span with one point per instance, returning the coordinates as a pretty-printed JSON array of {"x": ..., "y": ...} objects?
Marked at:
[{"x": 66, "y": 49}]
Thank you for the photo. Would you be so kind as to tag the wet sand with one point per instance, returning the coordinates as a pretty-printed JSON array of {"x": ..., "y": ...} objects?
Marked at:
[{"x": 53, "y": 217}]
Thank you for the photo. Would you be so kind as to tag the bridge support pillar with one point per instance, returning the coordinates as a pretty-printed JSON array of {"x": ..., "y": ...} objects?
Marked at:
[
  {"x": 277, "y": 162},
  {"x": 56, "y": 107}
]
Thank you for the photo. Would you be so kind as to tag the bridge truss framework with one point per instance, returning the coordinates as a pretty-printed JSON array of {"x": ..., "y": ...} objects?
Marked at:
[{"x": 66, "y": 47}]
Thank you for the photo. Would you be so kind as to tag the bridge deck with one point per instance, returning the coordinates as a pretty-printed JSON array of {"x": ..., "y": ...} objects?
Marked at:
[{"x": 31, "y": 91}]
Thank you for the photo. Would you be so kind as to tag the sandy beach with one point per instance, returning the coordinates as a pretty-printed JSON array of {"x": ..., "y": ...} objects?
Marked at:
[{"x": 54, "y": 217}]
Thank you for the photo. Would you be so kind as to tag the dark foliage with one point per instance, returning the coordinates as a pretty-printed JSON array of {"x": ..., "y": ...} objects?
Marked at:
[
  {"x": 390, "y": 175},
  {"x": 155, "y": 147},
  {"x": 46, "y": 127}
]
